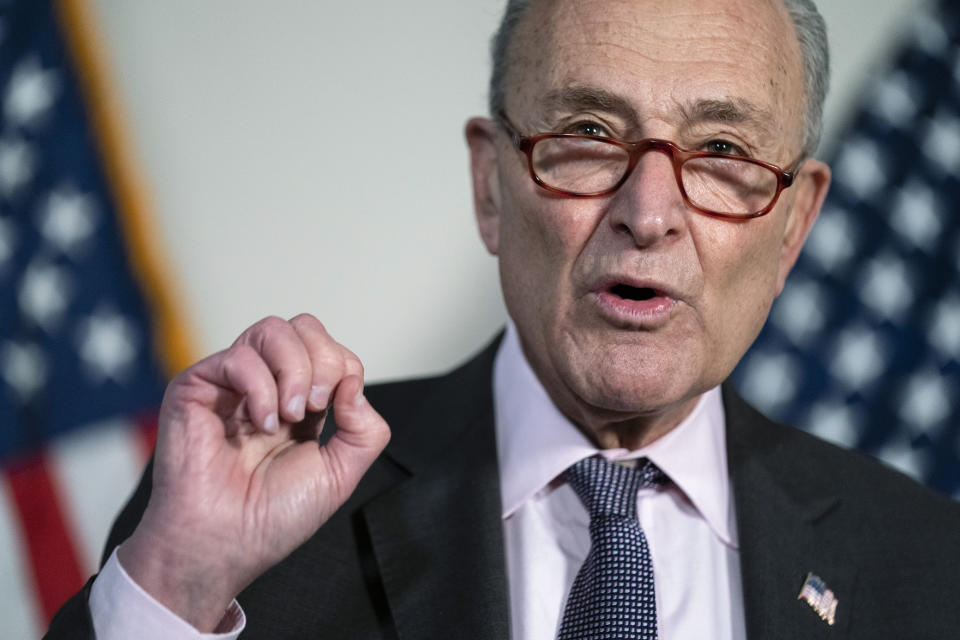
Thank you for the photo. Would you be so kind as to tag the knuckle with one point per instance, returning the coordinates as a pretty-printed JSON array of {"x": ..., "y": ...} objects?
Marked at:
[
  {"x": 238, "y": 354},
  {"x": 294, "y": 372},
  {"x": 192, "y": 413},
  {"x": 308, "y": 322},
  {"x": 257, "y": 332},
  {"x": 327, "y": 366},
  {"x": 271, "y": 325},
  {"x": 351, "y": 362},
  {"x": 352, "y": 365},
  {"x": 271, "y": 321}
]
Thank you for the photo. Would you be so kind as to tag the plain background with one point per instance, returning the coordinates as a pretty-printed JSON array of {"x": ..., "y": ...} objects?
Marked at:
[{"x": 309, "y": 156}]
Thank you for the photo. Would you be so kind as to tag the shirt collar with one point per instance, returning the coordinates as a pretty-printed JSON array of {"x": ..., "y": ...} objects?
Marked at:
[{"x": 536, "y": 443}]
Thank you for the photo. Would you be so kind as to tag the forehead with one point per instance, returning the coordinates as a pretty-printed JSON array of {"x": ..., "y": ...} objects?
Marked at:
[{"x": 662, "y": 57}]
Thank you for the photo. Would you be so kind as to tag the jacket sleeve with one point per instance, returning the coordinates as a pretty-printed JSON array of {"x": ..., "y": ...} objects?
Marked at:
[{"x": 73, "y": 621}]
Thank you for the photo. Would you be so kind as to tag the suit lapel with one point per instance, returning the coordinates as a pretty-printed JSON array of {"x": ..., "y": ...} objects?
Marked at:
[
  {"x": 438, "y": 542},
  {"x": 437, "y": 536},
  {"x": 788, "y": 513}
]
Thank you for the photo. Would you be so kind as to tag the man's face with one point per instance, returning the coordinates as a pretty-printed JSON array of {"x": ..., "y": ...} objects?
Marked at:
[{"x": 631, "y": 305}]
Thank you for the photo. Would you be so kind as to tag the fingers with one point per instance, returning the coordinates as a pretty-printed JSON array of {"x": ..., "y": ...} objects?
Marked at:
[
  {"x": 286, "y": 357},
  {"x": 283, "y": 369},
  {"x": 361, "y": 434},
  {"x": 233, "y": 379},
  {"x": 330, "y": 361}
]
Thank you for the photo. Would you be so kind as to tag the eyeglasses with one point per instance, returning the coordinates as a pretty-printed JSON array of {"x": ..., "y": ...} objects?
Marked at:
[{"x": 714, "y": 184}]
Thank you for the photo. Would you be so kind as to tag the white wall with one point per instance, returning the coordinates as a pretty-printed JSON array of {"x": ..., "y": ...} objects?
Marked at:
[{"x": 308, "y": 156}]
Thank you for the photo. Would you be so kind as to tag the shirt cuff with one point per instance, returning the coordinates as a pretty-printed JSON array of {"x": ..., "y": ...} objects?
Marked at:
[{"x": 121, "y": 609}]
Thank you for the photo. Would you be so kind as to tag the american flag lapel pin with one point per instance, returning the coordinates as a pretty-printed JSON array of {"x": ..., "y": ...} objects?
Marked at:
[{"x": 818, "y": 596}]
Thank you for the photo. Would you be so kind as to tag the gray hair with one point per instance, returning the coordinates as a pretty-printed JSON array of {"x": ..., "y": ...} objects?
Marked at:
[{"x": 811, "y": 34}]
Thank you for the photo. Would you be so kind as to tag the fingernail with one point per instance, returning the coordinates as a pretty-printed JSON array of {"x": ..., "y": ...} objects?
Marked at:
[
  {"x": 318, "y": 397},
  {"x": 296, "y": 407},
  {"x": 272, "y": 423}
]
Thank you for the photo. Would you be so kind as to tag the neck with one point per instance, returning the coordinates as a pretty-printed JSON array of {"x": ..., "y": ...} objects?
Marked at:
[{"x": 619, "y": 430}]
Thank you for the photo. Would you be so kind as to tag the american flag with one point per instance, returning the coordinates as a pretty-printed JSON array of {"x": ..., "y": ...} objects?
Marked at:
[
  {"x": 818, "y": 596},
  {"x": 86, "y": 328},
  {"x": 863, "y": 346}
]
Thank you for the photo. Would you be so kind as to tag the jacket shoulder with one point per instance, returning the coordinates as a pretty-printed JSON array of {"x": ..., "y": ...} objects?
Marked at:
[
  {"x": 893, "y": 509},
  {"x": 820, "y": 466}
]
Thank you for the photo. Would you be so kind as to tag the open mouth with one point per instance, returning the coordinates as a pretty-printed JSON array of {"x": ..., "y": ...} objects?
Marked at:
[
  {"x": 630, "y": 305},
  {"x": 627, "y": 292}
]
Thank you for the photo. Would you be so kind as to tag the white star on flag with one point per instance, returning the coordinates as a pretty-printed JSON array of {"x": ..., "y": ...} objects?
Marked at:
[
  {"x": 926, "y": 401},
  {"x": 832, "y": 241},
  {"x": 945, "y": 327},
  {"x": 23, "y": 367},
  {"x": 860, "y": 168},
  {"x": 916, "y": 215},
  {"x": 17, "y": 164},
  {"x": 44, "y": 294},
  {"x": 768, "y": 378},
  {"x": 835, "y": 422},
  {"x": 929, "y": 34},
  {"x": 31, "y": 92},
  {"x": 67, "y": 219},
  {"x": 887, "y": 287},
  {"x": 800, "y": 311},
  {"x": 893, "y": 100},
  {"x": 900, "y": 454},
  {"x": 942, "y": 143},
  {"x": 859, "y": 357},
  {"x": 107, "y": 343}
]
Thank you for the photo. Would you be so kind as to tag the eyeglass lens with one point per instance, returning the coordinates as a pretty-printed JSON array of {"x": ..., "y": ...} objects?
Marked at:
[{"x": 586, "y": 166}]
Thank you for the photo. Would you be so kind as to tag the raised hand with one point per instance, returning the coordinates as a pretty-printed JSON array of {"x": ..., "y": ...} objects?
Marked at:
[{"x": 239, "y": 479}]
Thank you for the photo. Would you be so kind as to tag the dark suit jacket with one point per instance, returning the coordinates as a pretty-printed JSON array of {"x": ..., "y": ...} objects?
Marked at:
[{"x": 417, "y": 551}]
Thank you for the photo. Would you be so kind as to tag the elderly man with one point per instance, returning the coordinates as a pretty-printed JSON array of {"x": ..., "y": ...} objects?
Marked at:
[{"x": 646, "y": 184}]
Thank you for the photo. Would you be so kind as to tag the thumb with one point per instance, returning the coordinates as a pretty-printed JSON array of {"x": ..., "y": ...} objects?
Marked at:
[{"x": 361, "y": 433}]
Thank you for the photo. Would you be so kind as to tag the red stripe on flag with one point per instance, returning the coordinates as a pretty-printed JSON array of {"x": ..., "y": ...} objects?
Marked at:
[
  {"x": 54, "y": 561},
  {"x": 147, "y": 435}
]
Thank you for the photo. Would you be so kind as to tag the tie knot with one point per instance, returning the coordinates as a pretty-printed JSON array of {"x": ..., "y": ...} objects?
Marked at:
[{"x": 610, "y": 489}]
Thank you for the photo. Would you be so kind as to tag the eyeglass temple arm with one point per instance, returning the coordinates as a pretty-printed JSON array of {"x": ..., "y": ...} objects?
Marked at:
[{"x": 508, "y": 126}]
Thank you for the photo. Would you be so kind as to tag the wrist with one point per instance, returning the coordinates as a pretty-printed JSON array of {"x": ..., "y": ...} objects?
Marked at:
[{"x": 179, "y": 576}]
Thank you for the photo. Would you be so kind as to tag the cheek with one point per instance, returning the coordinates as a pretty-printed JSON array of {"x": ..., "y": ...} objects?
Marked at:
[
  {"x": 526, "y": 257},
  {"x": 750, "y": 285},
  {"x": 747, "y": 273},
  {"x": 540, "y": 239}
]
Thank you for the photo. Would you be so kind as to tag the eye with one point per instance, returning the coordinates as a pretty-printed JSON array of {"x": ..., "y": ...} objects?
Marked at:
[
  {"x": 589, "y": 128},
  {"x": 723, "y": 146}
]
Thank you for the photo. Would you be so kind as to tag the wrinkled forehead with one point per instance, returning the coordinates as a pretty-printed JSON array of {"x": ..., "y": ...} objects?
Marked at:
[{"x": 663, "y": 56}]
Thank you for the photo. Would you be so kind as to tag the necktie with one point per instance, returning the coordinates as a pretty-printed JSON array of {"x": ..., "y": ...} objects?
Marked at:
[{"x": 612, "y": 595}]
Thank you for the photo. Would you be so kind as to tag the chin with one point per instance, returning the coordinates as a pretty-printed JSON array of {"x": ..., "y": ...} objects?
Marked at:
[
  {"x": 639, "y": 395},
  {"x": 634, "y": 382}
]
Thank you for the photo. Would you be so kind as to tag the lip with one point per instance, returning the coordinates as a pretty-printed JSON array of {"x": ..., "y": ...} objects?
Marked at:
[{"x": 649, "y": 313}]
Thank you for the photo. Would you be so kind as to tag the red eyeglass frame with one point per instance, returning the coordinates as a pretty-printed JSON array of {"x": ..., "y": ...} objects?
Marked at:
[{"x": 635, "y": 150}]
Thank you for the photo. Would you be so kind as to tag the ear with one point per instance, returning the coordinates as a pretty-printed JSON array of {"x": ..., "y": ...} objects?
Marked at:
[
  {"x": 481, "y": 138},
  {"x": 811, "y": 185}
]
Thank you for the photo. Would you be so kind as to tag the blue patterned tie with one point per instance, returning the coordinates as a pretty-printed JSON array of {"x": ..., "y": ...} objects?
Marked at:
[{"x": 612, "y": 595}]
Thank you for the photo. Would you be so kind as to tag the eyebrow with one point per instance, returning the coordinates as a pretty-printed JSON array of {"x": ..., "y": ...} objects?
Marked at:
[
  {"x": 734, "y": 111},
  {"x": 583, "y": 97},
  {"x": 729, "y": 111}
]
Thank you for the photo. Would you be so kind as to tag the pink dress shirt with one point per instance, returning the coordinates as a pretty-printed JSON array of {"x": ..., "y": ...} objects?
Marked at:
[{"x": 689, "y": 525}]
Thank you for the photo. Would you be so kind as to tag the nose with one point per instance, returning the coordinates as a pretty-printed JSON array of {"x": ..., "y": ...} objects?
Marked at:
[{"x": 649, "y": 206}]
